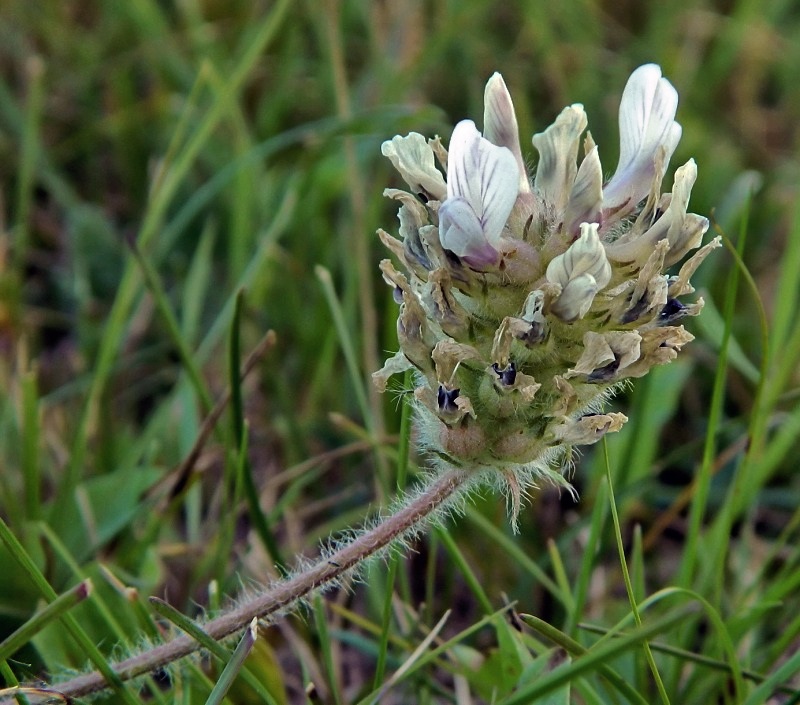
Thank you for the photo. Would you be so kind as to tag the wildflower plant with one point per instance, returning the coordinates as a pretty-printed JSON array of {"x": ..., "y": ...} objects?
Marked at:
[{"x": 526, "y": 303}]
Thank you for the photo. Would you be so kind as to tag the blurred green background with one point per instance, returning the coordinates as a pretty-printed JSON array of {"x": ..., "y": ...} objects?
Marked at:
[{"x": 235, "y": 146}]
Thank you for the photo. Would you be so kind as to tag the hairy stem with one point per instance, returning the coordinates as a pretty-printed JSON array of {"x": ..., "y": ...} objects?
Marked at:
[{"x": 411, "y": 516}]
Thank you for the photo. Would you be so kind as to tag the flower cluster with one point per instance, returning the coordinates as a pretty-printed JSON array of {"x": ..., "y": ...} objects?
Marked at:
[{"x": 526, "y": 303}]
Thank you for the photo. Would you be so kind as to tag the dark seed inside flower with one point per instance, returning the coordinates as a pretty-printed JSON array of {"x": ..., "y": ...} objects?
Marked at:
[
  {"x": 635, "y": 312},
  {"x": 533, "y": 336},
  {"x": 672, "y": 311},
  {"x": 507, "y": 375},
  {"x": 604, "y": 373},
  {"x": 446, "y": 398}
]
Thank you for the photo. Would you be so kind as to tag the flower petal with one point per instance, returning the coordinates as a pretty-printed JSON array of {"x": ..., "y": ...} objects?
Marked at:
[
  {"x": 412, "y": 156},
  {"x": 586, "y": 198},
  {"x": 581, "y": 271},
  {"x": 680, "y": 285},
  {"x": 588, "y": 429},
  {"x": 461, "y": 232},
  {"x": 394, "y": 365},
  {"x": 484, "y": 175},
  {"x": 684, "y": 231},
  {"x": 601, "y": 351},
  {"x": 558, "y": 155},
  {"x": 500, "y": 124},
  {"x": 646, "y": 125}
]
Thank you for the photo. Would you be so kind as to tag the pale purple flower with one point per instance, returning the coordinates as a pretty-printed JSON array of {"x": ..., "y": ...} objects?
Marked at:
[
  {"x": 482, "y": 186},
  {"x": 648, "y": 137}
]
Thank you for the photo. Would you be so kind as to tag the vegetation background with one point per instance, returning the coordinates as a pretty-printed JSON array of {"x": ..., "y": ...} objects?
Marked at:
[{"x": 157, "y": 158}]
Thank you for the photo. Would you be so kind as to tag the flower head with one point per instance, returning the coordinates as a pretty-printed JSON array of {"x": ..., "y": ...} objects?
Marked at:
[{"x": 527, "y": 303}]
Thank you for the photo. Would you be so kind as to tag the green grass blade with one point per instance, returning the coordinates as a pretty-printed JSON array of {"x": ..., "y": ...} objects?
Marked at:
[
  {"x": 74, "y": 629},
  {"x": 31, "y": 470},
  {"x": 257, "y": 516},
  {"x": 346, "y": 340},
  {"x": 690, "y": 562},
  {"x": 29, "y": 157},
  {"x": 434, "y": 654},
  {"x": 326, "y": 646},
  {"x": 581, "y": 592},
  {"x": 699, "y": 659},
  {"x": 627, "y": 579},
  {"x": 463, "y": 566},
  {"x": 519, "y": 556},
  {"x": 156, "y": 289},
  {"x": 195, "y": 631},
  {"x": 597, "y": 656},
  {"x": 63, "y": 603},
  {"x": 234, "y": 665},
  {"x": 575, "y": 649}
]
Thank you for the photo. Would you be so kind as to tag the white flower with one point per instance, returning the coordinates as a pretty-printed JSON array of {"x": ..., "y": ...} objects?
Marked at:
[
  {"x": 683, "y": 230},
  {"x": 581, "y": 271},
  {"x": 526, "y": 304},
  {"x": 646, "y": 127},
  {"x": 412, "y": 156},
  {"x": 482, "y": 186},
  {"x": 558, "y": 156}
]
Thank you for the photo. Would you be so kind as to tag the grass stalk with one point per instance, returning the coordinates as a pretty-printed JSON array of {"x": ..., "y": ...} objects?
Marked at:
[
  {"x": 627, "y": 579},
  {"x": 104, "y": 669},
  {"x": 35, "y": 70}
]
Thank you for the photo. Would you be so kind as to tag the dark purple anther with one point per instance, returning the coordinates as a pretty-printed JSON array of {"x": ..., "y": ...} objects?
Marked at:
[
  {"x": 604, "y": 373},
  {"x": 672, "y": 311},
  {"x": 446, "y": 399},
  {"x": 508, "y": 375}
]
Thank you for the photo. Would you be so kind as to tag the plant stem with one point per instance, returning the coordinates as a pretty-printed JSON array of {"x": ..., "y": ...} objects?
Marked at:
[{"x": 410, "y": 517}]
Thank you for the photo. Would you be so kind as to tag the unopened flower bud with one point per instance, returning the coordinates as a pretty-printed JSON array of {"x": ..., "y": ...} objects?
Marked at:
[
  {"x": 585, "y": 203},
  {"x": 581, "y": 271},
  {"x": 500, "y": 124},
  {"x": 558, "y": 154}
]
